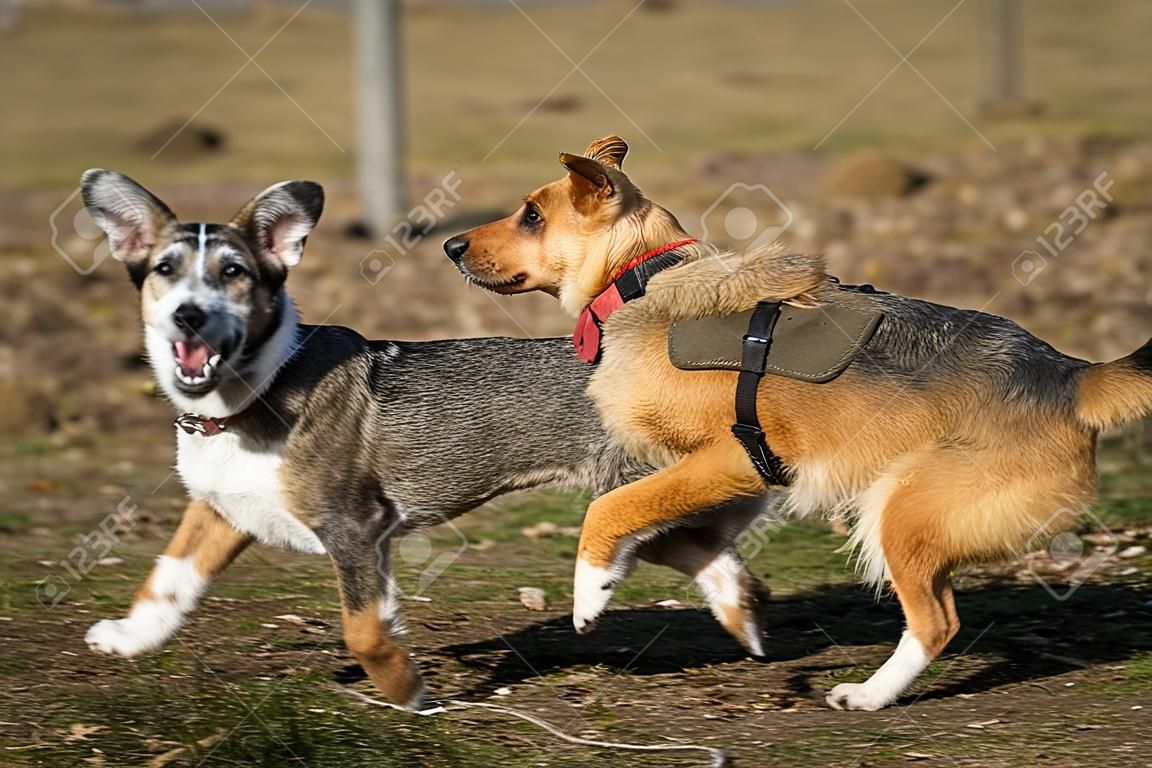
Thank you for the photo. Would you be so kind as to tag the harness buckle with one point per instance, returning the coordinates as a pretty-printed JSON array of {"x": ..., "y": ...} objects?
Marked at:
[
  {"x": 754, "y": 354},
  {"x": 746, "y": 433}
]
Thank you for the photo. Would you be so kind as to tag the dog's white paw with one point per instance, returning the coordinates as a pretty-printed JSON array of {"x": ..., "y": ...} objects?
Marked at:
[
  {"x": 857, "y": 696},
  {"x": 150, "y": 624},
  {"x": 118, "y": 637},
  {"x": 591, "y": 590}
]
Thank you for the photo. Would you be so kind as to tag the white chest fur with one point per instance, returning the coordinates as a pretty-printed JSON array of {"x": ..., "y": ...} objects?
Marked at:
[{"x": 244, "y": 486}]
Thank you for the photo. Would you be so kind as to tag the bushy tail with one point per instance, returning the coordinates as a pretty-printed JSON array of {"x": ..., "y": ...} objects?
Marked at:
[{"x": 1111, "y": 394}]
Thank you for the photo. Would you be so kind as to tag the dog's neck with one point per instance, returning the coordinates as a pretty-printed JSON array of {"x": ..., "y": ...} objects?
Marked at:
[
  {"x": 252, "y": 376},
  {"x": 647, "y": 228}
]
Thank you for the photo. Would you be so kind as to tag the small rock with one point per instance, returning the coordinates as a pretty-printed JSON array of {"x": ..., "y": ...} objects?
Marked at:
[
  {"x": 502, "y": 692},
  {"x": 533, "y": 598},
  {"x": 1136, "y": 707},
  {"x": 291, "y": 617},
  {"x": 981, "y": 725},
  {"x": 1135, "y": 551},
  {"x": 870, "y": 175},
  {"x": 1016, "y": 220},
  {"x": 670, "y": 603},
  {"x": 542, "y": 530},
  {"x": 109, "y": 561},
  {"x": 180, "y": 138}
]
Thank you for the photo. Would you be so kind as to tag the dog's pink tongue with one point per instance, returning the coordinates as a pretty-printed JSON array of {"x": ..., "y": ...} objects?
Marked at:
[{"x": 192, "y": 357}]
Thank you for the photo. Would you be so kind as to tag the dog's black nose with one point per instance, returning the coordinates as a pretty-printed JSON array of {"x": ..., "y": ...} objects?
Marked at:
[
  {"x": 455, "y": 247},
  {"x": 189, "y": 317}
]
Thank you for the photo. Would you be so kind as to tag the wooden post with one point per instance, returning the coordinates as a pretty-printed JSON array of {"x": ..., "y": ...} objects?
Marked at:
[
  {"x": 1004, "y": 90},
  {"x": 380, "y": 163}
]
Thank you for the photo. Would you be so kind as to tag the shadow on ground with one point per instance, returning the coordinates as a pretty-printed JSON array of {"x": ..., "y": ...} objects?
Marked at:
[{"x": 1033, "y": 636}]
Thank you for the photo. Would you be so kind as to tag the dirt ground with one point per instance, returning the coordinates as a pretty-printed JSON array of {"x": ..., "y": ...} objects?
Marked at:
[
  {"x": 1058, "y": 677},
  {"x": 1054, "y": 663}
]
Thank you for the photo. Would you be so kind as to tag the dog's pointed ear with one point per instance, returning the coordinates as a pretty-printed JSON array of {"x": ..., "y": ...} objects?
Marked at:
[
  {"x": 586, "y": 171},
  {"x": 610, "y": 150},
  {"x": 278, "y": 220},
  {"x": 133, "y": 218}
]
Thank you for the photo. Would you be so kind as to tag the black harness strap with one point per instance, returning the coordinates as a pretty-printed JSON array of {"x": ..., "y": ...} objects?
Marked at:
[{"x": 753, "y": 362}]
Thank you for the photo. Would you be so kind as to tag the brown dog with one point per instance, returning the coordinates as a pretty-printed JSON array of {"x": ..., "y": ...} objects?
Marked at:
[{"x": 955, "y": 437}]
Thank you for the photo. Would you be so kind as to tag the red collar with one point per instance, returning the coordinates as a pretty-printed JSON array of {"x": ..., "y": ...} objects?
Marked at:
[
  {"x": 193, "y": 424},
  {"x": 626, "y": 285}
]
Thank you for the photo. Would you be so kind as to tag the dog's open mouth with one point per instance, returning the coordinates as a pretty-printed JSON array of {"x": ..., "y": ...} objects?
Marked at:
[{"x": 197, "y": 364}]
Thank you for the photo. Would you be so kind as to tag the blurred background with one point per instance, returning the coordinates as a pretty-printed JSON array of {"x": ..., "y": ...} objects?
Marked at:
[
  {"x": 990, "y": 154},
  {"x": 929, "y": 174}
]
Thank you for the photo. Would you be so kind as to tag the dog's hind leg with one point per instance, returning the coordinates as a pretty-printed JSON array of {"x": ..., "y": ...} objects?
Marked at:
[
  {"x": 708, "y": 554},
  {"x": 708, "y": 478},
  {"x": 203, "y": 546},
  {"x": 931, "y": 622},
  {"x": 912, "y": 543},
  {"x": 371, "y": 611}
]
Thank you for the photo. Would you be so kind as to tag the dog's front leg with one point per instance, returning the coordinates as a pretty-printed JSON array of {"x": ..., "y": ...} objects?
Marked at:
[
  {"x": 371, "y": 610},
  {"x": 204, "y": 545},
  {"x": 699, "y": 481},
  {"x": 709, "y": 554}
]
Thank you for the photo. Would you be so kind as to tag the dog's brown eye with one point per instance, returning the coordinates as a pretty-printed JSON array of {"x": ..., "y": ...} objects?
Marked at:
[
  {"x": 532, "y": 216},
  {"x": 231, "y": 271},
  {"x": 164, "y": 269}
]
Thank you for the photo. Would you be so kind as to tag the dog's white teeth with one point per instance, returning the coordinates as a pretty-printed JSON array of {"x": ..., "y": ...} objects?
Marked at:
[
  {"x": 193, "y": 380},
  {"x": 214, "y": 361}
]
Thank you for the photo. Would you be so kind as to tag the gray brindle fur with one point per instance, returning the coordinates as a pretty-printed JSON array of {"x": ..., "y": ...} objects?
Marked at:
[{"x": 339, "y": 444}]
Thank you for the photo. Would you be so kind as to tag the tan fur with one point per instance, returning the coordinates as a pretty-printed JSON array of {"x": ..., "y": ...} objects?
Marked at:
[
  {"x": 386, "y": 663},
  {"x": 947, "y": 475},
  {"x": 719, "y": 283},
  {"x": 1114, "y": 393},
  {"x": 207, "y": 538},
  {"x": 704, "y": 479},
  {"x": 609, "y": 150},
  {"x": 584, "y": 235}
]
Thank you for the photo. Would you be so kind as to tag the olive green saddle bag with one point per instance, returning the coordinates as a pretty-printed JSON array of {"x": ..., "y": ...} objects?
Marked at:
[{"x": 814, "y": 345}]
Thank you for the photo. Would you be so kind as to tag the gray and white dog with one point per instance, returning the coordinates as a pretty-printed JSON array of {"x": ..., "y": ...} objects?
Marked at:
[{"x": 315, "y": 439}]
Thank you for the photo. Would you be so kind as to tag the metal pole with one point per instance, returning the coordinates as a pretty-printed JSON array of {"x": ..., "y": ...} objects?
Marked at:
[{"x": 381, "y": 158}]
